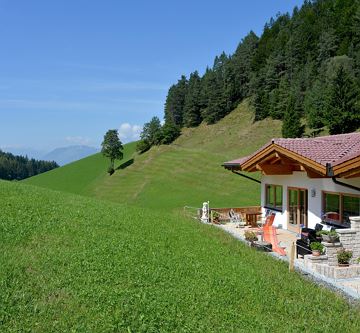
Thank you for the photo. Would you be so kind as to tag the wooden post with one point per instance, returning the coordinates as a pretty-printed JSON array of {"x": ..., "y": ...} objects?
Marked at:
[{"x": 292, "y": 257}]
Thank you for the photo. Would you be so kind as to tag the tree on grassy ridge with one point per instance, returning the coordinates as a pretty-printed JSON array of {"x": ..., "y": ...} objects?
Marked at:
[
  {"x": 170, "y": 132},
  {"x": 112, "y": 148},
  {"x": 151, "y": 135}
]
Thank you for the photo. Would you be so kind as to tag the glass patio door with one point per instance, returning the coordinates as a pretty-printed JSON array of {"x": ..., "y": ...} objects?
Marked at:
[{"x": 297, "y": 208}]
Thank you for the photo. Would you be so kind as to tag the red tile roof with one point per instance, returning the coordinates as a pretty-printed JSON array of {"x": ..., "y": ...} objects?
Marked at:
[{"x": 334, "y": 149}]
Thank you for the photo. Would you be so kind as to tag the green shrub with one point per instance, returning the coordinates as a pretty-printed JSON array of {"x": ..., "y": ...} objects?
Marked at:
[
  {"x": 344, "y": 256},
  {"x": 316, "y": 246},
  {"x": 250, "y": 236}
]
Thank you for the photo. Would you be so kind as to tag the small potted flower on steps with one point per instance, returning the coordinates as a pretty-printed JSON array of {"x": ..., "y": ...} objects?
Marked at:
[
  {"x": 250, "y": 237},
  {"x": 316, "y": 248},
  {"x": 343, "y": 257}
]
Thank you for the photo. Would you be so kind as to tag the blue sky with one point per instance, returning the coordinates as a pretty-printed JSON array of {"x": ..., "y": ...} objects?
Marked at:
[{"x": 71, "y": 69}]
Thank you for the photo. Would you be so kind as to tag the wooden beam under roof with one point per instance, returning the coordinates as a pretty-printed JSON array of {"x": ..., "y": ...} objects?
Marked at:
[{"x": 275, "y": 169}]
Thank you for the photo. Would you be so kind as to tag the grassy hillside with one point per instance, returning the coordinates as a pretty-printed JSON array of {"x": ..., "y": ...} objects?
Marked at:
[
  {"x": 75, "y": 264},
  {"x": 187, "y": 172},
  {"x": 79, "y": 177}
]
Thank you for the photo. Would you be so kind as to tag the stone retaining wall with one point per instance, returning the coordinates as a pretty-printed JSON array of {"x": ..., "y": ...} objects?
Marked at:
[{"x": 327, "y": 265}]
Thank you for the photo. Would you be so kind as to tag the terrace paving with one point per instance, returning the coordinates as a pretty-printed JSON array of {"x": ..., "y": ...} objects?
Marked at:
[{"x": 350, "y": 287}]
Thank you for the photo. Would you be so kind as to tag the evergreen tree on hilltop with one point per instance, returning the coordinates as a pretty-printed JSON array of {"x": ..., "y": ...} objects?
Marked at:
[
  {"x": 192, "y": 106},
  {"x": 215, "y": 91},
  {"x": 241, "y": 63},
  {"x": 315, "y": 105},
  {"x": 343, "y": 112},
  {"x": 292, "y": 127},
  {"x": 175, "y": 102}
]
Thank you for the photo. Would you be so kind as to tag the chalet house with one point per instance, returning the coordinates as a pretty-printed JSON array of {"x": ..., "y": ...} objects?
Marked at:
[{"x": 307, "y": 180}]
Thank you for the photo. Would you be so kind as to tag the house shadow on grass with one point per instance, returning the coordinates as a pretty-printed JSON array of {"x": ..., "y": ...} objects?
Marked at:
[{"x": 125, "y": 164}]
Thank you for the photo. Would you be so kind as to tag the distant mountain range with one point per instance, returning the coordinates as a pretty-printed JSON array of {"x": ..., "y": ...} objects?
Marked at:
[
  {"x": 61, "y": 156},
  {"x": 69, "y": 154}
]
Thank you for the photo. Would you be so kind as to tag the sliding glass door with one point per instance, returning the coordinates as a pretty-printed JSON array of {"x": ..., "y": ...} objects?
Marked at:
[{"x": 297, "y": 208}]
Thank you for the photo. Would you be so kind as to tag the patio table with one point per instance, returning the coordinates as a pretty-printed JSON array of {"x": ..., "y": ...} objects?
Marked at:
[{"x": 252, "y": 218}]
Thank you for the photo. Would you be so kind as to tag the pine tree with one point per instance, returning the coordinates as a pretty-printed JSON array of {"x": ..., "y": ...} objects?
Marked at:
[
  {"x": 192, "y": 106},
  {"x": 281, "y": 97},
  {"x": 327, "y": 45},
  {"x": 242, "y": 65},
  {"x": 175, "y": 101},
  {"x": 292, "y": 127},
  {"x": 214, "y": 89},
  {"x": 343, "y": 112},
  {"x": 315, "y": 105}
]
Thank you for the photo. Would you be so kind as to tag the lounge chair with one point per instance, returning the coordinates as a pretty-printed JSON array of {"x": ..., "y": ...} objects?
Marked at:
[
  {"x": 269, "y": 235},
  {"x": 236, "y": 218}
]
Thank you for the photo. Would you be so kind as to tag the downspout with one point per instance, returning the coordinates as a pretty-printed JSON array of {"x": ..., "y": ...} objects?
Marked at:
[{"x": 330, "y": 172}]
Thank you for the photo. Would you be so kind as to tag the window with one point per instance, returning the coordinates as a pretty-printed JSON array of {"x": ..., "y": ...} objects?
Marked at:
[
  {"x": 338, "y": 207},
  {"x": 351, "y": 207},
  {"x": 274, "y": 196},
  {"x": 332, "y": 206}
]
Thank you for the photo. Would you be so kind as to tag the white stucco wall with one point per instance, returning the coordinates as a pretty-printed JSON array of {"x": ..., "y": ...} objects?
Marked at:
[{"x": 301, "y": 180}]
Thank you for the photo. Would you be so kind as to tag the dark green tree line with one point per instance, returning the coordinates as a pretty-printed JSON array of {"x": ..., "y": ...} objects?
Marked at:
[
  {"x": 14, "y": 167},
  {"x": 288, "y": 73}
]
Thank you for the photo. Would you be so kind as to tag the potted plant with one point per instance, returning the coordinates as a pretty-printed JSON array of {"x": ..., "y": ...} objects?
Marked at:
[
  {"x": 316, "y": 248},
  {"x": 215, "y": 217},
  {"x": 328, "y": 236},
  {"x": 250, "y": 236},
  {"x": 324, "y": 234},
  {"x": 343, "y": 257},
  {"x": 333, "y": 236}
]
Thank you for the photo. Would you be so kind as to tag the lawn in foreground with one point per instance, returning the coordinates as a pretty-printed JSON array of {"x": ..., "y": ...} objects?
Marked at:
[{"x": 70, "y": 263}]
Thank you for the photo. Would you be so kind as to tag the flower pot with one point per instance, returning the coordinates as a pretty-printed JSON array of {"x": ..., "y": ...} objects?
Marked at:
[
  {"x": 326, "y": 238},
  {"x": 316, "y": 253},
  {"x": 344, "y": 265},
  {"x": 333, "y": 239}
]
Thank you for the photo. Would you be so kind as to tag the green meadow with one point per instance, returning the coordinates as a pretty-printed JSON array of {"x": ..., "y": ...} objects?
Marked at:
[
  {"x": 83, "y": 251},
  {"x": 76, "y": 264},
  {"x": 188, "y": 172}
]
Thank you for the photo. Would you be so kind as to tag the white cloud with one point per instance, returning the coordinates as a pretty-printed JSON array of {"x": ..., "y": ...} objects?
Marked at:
[
  {"x": 78, "y": 140},
  {"x": 129, "y": 132}
]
